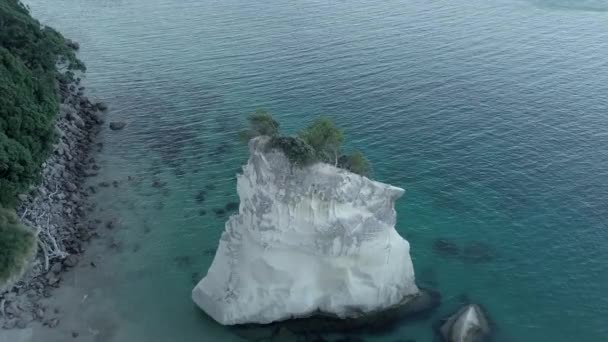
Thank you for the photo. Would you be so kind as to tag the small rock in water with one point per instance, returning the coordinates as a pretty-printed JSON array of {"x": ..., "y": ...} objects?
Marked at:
[
  {"x": 10, "y": 324},
  {"x": 112, "y": 223},
  {"x": 52, "y": 278},
  {"x": 231, "y": 206},
  {"x": 72, "y": 44},
  {"x": 200, "y": 196},
  {"x": 53, "y": 322},
  {"x": 117, "y": 125},
  {"x": 74, "y": 334},
  {"x": 202, "y": 212},
  {"x": 158, "y": 184},
  {"x": 101, "y": 106},
  {"x": 56, "y": 268},
  {"x": 446, "y": 247},
  {"x": 219, "y": 211}
]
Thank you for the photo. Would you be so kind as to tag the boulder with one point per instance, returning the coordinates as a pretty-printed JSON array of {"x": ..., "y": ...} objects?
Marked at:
[
  {"x": 71, "y": 261},
  {"x": 72, "y": 44},
  {"x": 469, "y": 324},
  {"x": 117, "y": 125}
]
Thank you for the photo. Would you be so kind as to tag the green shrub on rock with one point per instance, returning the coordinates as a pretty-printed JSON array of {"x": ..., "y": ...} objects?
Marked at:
[
  {"x": 17, "y": 247},
  {"x": 260, "y": 123},
  {"x": 297, "y": 150},
  {"x": 319, "y": 142}
]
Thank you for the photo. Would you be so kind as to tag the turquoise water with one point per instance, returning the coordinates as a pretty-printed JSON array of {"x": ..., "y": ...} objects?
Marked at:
[{"x": 491, "y": 114}]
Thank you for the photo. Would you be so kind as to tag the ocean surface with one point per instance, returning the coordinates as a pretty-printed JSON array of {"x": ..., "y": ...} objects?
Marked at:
[{"x": 493, "y": 115}]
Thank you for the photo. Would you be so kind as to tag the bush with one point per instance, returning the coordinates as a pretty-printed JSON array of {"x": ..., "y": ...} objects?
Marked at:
[
  {"x": 17, "y": 246},
  {"x": 260, "y": 123},
  {"x": 297, "y": 150},
  {"x": 356, "y": 163}
]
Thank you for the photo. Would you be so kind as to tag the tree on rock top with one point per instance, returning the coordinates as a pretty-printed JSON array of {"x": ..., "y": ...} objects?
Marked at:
[
  {"x": 325, "y": 138},
  {"x": 319, "y": 142},
  {"x": 260, "y": 123}
]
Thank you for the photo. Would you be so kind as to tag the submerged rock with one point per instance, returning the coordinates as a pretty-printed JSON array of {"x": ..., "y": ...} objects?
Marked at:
[
  {"x": 469, "y": 324},
  {"x": 446, "y": 247},
  {"x": 117, "y": 125},
  {"x": 314, "y": 241}
]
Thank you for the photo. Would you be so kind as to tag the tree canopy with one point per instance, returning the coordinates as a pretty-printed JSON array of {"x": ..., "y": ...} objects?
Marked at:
[
  {"x": 321, "y": 141},
  {"x": 29, "y": 54}
]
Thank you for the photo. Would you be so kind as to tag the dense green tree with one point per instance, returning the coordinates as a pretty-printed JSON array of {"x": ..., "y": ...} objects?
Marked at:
[
  {"x": 29, "y": 54},
  {"x": 17, "y": 246},
  {"x": 325, "y": 138}
]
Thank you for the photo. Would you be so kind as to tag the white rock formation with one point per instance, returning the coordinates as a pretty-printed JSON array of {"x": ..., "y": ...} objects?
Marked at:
[{"x": 305, "y": 240}]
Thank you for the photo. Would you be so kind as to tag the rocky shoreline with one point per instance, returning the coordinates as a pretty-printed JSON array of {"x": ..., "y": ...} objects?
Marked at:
[{"x": 56, "y": 208}]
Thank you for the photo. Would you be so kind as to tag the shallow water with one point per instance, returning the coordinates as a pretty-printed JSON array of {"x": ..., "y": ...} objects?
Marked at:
[{"x": 491, "y": 114}]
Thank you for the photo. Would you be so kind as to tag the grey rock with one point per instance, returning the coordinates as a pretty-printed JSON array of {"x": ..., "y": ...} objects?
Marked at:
[
  {"x": 21, "y": 324},
  {"x": 52, "y": 323},
  {"x": 40, "y": 313},
  {"x": 71, "y": 261},
  {"x": 72, "y": 44},
  {"x": 117, "y": 125},
  {"x": 52, "y": 278},
  {"x": 10, "y": 324},
  {"x": 56, "y": 268},
  {"x": 22, "y": 197},
  {"x": 101, "y": 106},
  {"x": 469, "y": 324},
  {"x": 76, "y": 119},
  {"x": 71, "y": 186}
]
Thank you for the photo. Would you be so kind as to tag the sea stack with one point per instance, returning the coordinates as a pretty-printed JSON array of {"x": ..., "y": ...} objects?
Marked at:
[{"x": 306, "y": 240}]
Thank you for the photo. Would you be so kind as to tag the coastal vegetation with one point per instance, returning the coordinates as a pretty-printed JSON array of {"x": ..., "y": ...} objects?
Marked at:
[
  {"x": 17, "y": 245},
  {"x": 31, "y": 56},
  {"x": 319, "y": 142}
]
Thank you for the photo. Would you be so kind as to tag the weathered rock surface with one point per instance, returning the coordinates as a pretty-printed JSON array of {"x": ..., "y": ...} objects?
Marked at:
[{"x": 305, "y": 241}]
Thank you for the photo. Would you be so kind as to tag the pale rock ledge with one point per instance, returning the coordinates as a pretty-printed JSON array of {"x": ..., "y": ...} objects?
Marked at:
[{"x": 306, "y": 240}]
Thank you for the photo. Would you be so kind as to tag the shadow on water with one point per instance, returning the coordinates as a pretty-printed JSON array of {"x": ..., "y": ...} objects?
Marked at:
[
  {"x": 378, "y": 323},
  {"x": 474, "y": 252}
]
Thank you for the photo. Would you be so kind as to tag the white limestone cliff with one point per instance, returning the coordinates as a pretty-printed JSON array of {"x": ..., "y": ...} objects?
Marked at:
[{"x": 306, "y": 240}]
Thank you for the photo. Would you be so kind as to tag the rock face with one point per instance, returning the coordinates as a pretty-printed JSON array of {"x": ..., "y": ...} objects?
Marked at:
[
  {"x": 305, "y": 241},
  {"x": 469, "y": 324}
]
